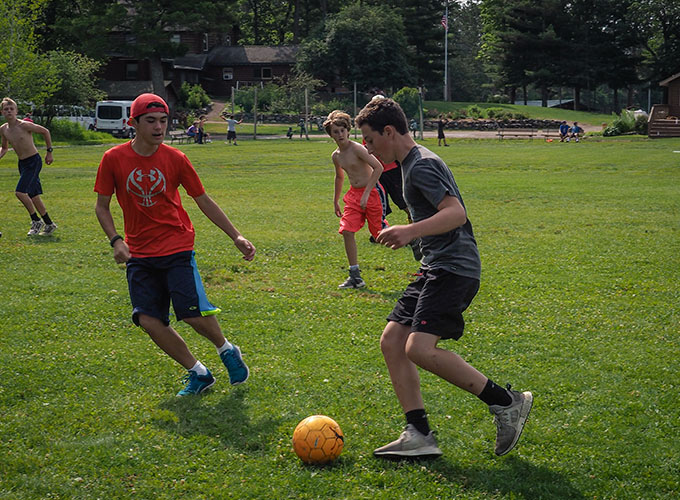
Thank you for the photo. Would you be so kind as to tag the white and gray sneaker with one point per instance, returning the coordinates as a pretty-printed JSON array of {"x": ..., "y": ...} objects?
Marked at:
[
  {"x": 510, "y": 420},
  {"x": 36, "y": 226},
  {"x": 354, "y": 280},
  {"x": 48, "y": 229},
  {"x": 412, "y": 444}
]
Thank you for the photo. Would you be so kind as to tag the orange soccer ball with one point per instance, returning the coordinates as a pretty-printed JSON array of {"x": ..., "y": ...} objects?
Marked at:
[{"x": 318, "y": 440}]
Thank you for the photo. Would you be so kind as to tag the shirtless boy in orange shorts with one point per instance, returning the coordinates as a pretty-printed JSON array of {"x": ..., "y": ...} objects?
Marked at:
[{"x": 364, "y": 200}]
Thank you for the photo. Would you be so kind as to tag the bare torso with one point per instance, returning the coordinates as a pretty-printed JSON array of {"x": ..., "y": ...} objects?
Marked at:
[
  {"x": 353, "y": 160},
  {"x": 20, "y": 138}
]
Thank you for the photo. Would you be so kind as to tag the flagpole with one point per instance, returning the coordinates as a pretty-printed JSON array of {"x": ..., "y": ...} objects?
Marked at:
[{"x": 446, "y": 52}]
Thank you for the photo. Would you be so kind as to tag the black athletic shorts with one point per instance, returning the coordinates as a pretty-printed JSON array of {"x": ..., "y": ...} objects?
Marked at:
[{"x": 434, "y": 303}]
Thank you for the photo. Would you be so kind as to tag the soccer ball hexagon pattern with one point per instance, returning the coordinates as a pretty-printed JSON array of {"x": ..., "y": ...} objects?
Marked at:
[{"x": 318, "y": 440}]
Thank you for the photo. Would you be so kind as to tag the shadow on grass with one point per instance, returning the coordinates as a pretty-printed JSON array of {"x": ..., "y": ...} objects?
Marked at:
[
  {"x": 514, "y": 477},
  {"x": 227, "y": 420},
  {"x": 42, "y": 240}
]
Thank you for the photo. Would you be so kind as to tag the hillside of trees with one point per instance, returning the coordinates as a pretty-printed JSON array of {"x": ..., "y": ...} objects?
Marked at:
[{"x": 604, "y": 54}]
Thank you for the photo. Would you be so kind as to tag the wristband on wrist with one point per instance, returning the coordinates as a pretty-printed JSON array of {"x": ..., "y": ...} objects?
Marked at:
[
  {"x": 49, "y": 150},
  {"x": 114, "y": 239}
]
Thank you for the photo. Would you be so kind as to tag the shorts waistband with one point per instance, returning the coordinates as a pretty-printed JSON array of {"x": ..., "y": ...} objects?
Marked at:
[{"x": 30, "y": 159}]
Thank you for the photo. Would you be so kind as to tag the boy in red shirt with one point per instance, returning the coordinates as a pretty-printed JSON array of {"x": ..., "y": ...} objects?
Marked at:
[{"x": 159, "y": 240}]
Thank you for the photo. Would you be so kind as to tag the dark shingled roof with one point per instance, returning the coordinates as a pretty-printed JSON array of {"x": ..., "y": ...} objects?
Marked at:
[{"x": 252, "y": 54}]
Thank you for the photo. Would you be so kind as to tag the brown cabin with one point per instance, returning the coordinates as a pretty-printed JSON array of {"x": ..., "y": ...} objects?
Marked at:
[{"x": 664, "y": 120}]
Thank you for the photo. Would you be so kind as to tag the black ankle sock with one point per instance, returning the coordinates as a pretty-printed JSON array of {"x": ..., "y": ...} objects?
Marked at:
[
  {"x": 46, "y": 218},
  {"x": 493, "y": 394},
  {"x": 34, "y": 217},
  {"x": 418, "y": 418}
]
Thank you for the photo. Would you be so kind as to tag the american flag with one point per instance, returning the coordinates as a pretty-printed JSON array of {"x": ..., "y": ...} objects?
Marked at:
[{"x": 445, "y": 22}]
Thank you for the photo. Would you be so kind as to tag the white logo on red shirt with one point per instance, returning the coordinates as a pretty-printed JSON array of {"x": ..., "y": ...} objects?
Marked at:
[{"x": 146, "y": 186}]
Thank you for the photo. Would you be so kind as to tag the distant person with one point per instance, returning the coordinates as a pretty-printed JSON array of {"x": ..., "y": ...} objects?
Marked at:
[
  {"x": 203, "y": 136},
  {"x": 28, "y": 117},
  {"x": 441, "y": 123},
  {"x": 564, "y": 131},
  {"x": 158, "y": 248},
  {"x": 231, "y": 128},
  {"x": 192, "y": 131},
  {"x": 576, "y": 132},
  {"x": 303, "y": 128},
  {"x": 289, "y": 133},
  {"x": 431, "y": 308},
  {"x": 19, "y": 133},
  {"x": 362, "y": 200},
  {"x": 413, "y": 127}
]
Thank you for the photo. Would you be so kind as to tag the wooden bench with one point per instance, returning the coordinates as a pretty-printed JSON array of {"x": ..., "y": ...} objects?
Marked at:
[
  {"x": 178, "y": 135},
  {"x": 551, "y": 133},
  {"x": 518, "y": 133}
]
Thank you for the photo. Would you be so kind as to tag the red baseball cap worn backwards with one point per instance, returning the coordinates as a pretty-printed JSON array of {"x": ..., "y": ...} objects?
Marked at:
[{"x": 148, "y": 103}]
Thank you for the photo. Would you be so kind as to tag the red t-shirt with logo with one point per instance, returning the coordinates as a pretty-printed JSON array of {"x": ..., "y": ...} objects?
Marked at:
[{"x": 156, "y": 224}]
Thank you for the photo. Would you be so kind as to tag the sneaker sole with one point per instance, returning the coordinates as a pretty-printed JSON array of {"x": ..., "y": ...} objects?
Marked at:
[
  {"x": 523, "y": 416},
  {"x": 244, "y": 380},
  {"x": 428, "y": 452},
  {"x": 199, "y": 392}
]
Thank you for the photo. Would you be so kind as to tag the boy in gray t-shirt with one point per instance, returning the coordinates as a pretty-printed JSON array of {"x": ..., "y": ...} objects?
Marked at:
[{"x": 431, "y": 308}]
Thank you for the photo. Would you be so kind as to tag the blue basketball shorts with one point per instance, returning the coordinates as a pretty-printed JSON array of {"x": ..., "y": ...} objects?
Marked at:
[
  {"x": 29, "y": 176},
  {"x": 154, "y": 282}
]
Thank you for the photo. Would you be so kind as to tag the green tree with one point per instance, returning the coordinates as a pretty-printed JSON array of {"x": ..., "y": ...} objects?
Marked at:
[
  {"x": 76, "y": 82},
  {"x": 468, "y": 80},
  {"x": 25, "y": 74},
  {"x": 362, "y": 44},
  {"x": 658, "y": 23},
  {"x": 409, "y": 100},
  {"x": 145, "y": 27}
]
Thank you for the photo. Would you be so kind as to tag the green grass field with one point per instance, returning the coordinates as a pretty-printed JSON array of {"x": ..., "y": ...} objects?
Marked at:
[{"x": 579, "y": 304}]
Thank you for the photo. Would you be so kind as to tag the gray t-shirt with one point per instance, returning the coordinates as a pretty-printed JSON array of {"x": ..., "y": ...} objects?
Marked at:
[{"x": 427, "y": 180}]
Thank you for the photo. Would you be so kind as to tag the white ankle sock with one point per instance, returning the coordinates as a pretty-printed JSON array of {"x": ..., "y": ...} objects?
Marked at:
[
  {"x": 199, "y": 369},
  {"x": 226, "y": 346}
]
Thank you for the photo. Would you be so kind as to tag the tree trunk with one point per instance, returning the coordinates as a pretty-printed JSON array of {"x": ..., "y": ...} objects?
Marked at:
[
  {"x": 577, "y": 98},
  {"x": 617, "y": 108},
  {"x": 513, "y": 95},
  {"x": 544, "y": 97},
  {"x": 629, "y": 99},
  {"x": 296, "y": 22},
  {"x": 526, "y": 98},
  {"x": 157, "y": 75}
]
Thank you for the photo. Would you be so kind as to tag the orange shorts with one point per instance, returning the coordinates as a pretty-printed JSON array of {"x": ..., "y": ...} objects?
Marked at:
[{"x": 353, "y": 217}]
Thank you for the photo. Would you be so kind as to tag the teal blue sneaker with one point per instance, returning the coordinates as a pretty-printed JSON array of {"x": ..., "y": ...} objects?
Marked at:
[
  {"x": 238, "y": 371},
  {"x": 196, "y": 384}
]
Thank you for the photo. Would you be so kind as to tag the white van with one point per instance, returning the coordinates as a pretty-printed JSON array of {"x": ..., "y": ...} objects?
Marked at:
[
  {"x": 76, "y": 114},
  {"x": 112, "y": 117}
]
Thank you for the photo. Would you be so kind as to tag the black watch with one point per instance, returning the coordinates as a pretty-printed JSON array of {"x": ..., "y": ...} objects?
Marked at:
[{"x": 49, "y": 150}]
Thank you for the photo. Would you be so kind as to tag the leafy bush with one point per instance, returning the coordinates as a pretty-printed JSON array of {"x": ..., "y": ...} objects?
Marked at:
[
  {"x": 322, "y": 108},
  {"x": 499, "y": 114},
  {"x": 641, "y": 125},
  {"x": 611, "y": 130},
  {"x": 70, "y": 132},
  {"x": 474, "y": 111},
  {"x": 624, "y": 123},
  {"x": 409, "y": 100},
  {"x": 193, "y": 96}
]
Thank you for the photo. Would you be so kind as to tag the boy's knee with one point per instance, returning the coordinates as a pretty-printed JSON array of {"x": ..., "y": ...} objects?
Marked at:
[{"x": 418, "y": 346}]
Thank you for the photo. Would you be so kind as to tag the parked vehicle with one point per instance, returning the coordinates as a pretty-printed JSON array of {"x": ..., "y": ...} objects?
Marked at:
[
  {"x": 112, "y": 117},
  {"x": 77, "y": 114}
]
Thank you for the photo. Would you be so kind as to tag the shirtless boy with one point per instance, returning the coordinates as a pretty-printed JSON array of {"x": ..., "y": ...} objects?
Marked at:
[
  {"x": 19, "y": 133},
  {"x": 364, "y": 199}
]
